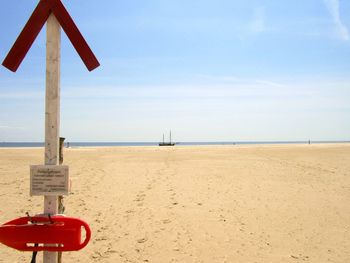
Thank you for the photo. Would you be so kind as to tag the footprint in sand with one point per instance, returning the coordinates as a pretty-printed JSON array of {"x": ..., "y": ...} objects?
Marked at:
[
  {"x": 142, "y": 240},
  {"x": 166, "y": 221},
  {"x": 140, "y": 197}
]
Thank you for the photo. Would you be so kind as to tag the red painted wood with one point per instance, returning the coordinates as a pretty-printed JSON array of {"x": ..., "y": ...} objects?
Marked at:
[
  {"x": 35, "y": 24},
  {"x": 27, "y": 36},
  {"x": 75, "y": 36}
]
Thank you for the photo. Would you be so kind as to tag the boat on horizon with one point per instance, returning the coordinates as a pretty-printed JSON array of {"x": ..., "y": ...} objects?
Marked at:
[{"x": 167, "y": 143}]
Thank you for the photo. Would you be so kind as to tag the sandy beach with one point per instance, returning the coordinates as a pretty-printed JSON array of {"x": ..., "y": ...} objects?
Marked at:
[{"x": 270, "y": 203}]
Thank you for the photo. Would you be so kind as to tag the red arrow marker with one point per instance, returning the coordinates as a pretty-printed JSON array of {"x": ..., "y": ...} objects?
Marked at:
[{"x": 32, "y": 28}]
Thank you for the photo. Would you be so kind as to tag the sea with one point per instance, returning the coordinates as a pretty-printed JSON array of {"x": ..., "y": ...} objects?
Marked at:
[{"x": 118, "y": 144}]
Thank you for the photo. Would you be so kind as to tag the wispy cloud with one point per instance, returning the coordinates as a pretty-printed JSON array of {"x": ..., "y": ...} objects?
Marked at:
[
  {"x": 5, "y": 127},
  {"x": 217, "y": 78},
  {"x": 205, "y": 86},
  {"x": 20, "y": 94},
  {"x": 334, "y": 10},
  {"x": 271, "y": 83},
  {"x": 257, "y": 25}
]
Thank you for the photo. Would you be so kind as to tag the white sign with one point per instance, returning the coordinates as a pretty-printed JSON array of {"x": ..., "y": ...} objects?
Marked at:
[{"x": 49, "y": 180}]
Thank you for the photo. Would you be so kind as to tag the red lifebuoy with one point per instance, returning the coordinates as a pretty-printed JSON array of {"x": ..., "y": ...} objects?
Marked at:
[{"x": 39, "y": 233}]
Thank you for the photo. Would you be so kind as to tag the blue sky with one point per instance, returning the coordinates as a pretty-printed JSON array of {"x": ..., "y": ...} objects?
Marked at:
[{"x": 208, "y": 70}]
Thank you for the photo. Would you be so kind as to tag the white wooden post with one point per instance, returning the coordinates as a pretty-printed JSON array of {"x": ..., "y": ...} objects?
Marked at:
[{"x": 52, "y": 111}]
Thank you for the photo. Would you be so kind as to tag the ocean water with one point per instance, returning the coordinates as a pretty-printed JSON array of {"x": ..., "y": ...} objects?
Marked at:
[{"x": 116, "y": 144}]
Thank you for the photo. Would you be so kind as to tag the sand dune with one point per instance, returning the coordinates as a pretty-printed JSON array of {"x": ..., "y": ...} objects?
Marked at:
[{"x": 286, "y": 203}]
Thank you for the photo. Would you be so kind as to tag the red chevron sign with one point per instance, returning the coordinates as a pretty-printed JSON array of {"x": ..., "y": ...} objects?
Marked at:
[{"x": 34, "y": 25}]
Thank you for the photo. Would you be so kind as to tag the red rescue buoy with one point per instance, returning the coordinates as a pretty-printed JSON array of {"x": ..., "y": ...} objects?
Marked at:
[{"x": 39, "y": 233}]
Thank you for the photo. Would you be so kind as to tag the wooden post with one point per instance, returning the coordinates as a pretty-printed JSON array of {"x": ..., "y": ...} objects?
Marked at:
[
  {"x": 52, "y": 111},
  {"x": 60, "y": 197}
]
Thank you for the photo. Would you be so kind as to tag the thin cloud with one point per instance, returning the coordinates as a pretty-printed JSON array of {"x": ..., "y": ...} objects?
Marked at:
[
  {"x": 257, "y": 25},
  {"x": 219, "y": 78},
  {"x": 4, "y": 127},
  {"x": 334, "y": 10},
  {"x": 271, "y": 83},
  {"x": 21, "y": 95}
]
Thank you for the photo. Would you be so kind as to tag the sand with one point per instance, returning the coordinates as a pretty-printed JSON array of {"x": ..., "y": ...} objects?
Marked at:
[{"x": 271, "y": 203}]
